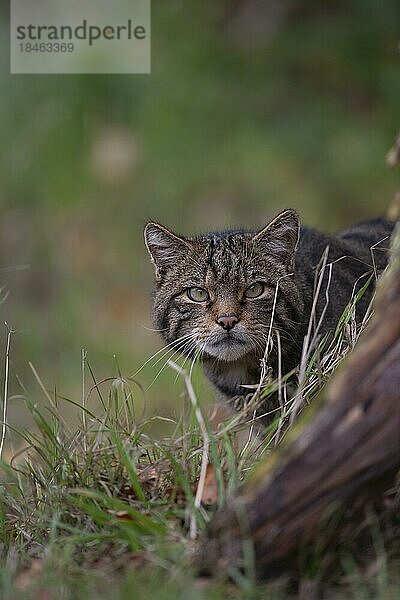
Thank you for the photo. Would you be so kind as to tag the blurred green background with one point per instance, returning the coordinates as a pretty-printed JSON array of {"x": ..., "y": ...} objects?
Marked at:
[{"x": 251, "y": 107}]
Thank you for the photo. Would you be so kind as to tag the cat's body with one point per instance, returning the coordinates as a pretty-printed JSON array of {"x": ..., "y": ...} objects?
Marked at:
[{"x": 215, "y": 293}]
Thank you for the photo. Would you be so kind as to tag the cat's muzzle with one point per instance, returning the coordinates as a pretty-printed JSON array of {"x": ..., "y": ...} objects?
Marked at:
[{"x": 228, "y": 345}]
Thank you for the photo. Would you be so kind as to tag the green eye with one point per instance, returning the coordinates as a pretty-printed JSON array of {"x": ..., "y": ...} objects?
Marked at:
[
  {"x": 255, "y": 290},
  {"x": 197, "y": 294}
]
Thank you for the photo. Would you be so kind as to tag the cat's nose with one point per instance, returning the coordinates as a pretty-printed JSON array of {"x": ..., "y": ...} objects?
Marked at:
[{"x": 228, "y": 321}]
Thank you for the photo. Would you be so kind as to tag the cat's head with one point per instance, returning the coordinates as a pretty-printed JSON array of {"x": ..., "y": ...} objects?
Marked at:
[{"x": 215, "y": 293}]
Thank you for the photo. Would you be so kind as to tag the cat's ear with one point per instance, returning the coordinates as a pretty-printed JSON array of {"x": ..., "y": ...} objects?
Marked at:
[
  {"x": 165, "y": 248},
  {"x": 280, "y": 237}
]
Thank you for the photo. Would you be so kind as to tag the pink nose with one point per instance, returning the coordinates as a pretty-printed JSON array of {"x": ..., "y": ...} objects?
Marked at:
[{"x": 227, "y": 321}]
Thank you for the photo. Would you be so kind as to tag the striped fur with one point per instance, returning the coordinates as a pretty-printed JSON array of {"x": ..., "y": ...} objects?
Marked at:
[{"x": 282, "y": 256}]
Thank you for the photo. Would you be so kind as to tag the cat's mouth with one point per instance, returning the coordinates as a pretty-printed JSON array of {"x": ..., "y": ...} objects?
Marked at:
[{"x": 228, "y": 347}]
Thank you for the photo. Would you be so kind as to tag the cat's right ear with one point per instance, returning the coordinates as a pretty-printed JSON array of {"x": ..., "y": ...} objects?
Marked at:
[
  {"x": 165, "y": 248},
  {"x": 280, "y": 237}
]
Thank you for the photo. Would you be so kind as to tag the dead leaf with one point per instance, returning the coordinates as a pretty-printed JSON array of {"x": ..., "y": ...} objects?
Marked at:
[
  {"x": 137, "y": 560},
  {"x": 209, "y": 494},
  {"x": 122, "y": 515}
]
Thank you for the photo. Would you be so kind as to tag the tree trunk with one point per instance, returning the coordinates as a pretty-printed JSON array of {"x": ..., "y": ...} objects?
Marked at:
[{"x": 345, "y": 454}]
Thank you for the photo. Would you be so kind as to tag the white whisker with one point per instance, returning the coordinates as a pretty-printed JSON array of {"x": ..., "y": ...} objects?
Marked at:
[{"x": 163, "y": 349}]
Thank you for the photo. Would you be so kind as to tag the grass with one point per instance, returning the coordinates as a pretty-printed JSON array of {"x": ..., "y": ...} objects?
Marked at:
[{"x": 107, "y": 510}]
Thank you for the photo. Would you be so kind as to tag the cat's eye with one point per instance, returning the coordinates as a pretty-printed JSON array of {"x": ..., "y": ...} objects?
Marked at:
[
  {"x": 197, "y": 294},
  {"x": 255, "y": 290}
]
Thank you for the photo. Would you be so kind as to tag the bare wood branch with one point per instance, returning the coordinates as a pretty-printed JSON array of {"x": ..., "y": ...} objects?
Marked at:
[{"x": 344, "y": 452}]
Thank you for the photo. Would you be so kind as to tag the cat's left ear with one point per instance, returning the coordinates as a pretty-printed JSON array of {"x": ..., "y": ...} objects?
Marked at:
[
  {"x": 165, "y": 248},
  {"x": 280, "y": 237}
]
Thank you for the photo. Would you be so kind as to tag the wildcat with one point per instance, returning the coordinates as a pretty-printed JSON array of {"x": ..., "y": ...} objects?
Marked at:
[{"x": 215, "y": 293}]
